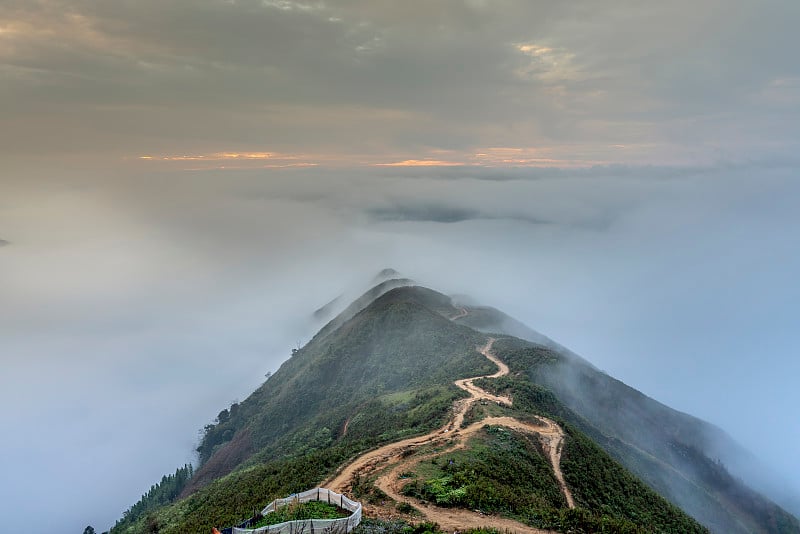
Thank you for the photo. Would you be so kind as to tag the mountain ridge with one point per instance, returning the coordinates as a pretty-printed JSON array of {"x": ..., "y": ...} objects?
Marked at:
[{"x": 411, "y": 321}]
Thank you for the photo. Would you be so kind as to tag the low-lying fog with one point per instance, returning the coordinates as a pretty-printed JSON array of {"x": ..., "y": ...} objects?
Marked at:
[{"x": 133, "y": 309}]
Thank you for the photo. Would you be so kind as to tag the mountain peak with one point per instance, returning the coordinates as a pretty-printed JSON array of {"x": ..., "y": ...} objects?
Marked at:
[
  {"x": 383, "y": 274},
  {"x": 393, "y": 367}
]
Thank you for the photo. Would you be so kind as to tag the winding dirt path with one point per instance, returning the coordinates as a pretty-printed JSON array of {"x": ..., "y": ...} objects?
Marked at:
[
  {"x": 462, "y": 312},
  {"x": 395, "y": 458}
]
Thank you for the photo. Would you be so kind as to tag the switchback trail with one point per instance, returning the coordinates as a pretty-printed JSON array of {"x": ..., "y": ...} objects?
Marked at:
[
  {"x": 462, "y": 312},
  {"x": 395, "y": 458}
]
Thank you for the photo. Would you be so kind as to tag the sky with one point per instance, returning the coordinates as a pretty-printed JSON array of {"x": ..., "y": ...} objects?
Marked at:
[{"x": 183, "y": 182}]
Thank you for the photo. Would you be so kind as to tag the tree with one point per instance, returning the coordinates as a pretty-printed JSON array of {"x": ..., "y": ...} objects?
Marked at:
[
  {"x": 89, "y": 530},
  {"x": 223, "y": 416}
]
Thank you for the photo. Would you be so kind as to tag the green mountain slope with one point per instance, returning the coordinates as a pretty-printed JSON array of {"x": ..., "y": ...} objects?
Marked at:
[
  {"x": 378, "y": 286},
  {"x": 665, "y": 448},
  {"x": 679, "y": 455},
  {"x": 396, "y": 345},
  {"x": 386, "y": 372},
  {"x": 358, "y": 304}
]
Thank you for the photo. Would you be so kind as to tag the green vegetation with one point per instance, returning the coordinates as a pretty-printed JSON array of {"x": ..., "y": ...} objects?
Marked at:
[
  {"x": 405, "y": 508},
  {"x": 397, "y": 344},
  {"x": 236, "y": 497},
  {"x": 360, "y": 303},
  {"x": 500, "y": 472},
  {"x": 338, "y": 380},
  {"x": 379, "y": 526},
  {"x": 398, "y": 526},
  {"x": 159, "y": 495},
  {"x": 576, "y": 521},
  {"x": 300, "y": 511},
  {"x": 599, "y": 483},
  {"x": 506, "y": 472},
  {"x": 386, "y": 373},
  {"x": 659, "y": 445}
]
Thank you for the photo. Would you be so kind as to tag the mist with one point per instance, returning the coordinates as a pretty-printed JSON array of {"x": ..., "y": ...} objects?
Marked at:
[
  {"x": 134, "y": 307},
  {"x": 183, "y": 183}
]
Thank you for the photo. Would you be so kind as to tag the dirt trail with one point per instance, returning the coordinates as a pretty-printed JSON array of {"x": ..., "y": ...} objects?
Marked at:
[
  {"x": 346, "y": 426},
  {"x": 462, "y": 312},
  {"x": 396, "y": 457}
]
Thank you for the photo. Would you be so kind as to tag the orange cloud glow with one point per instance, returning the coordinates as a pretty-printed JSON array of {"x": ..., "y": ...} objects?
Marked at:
[
  {"x": 235, "y": 160},
  {"x": 222, "y": 156},
  {"x": 496, "y": 156},
  {"x": 422, "y": 163}
]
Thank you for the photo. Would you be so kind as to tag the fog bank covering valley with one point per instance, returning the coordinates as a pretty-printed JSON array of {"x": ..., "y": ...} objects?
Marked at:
[{"x": 155, "y": 311}]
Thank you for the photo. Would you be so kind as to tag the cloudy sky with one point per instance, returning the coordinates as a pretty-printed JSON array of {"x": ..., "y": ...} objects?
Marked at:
[{"x": 182, "y": 182}]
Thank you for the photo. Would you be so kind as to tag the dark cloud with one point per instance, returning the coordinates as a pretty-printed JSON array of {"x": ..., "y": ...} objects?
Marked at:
[
  {"x": 355, "y": 77},
  {"x": 440, "y": 214}
]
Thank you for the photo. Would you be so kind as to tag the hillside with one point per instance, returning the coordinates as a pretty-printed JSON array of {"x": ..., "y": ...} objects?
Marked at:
[
  {"x": 682, "y": 457},
  {"x": 665, "y": 448},
  {"x": 384, "y": 371},
  {"x": 397, "y": 345},
  {"x": 334, "y": 313}
]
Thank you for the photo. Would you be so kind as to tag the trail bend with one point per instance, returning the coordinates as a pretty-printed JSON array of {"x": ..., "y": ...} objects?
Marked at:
[
  {"x": 395, "y": 456},
  {"x": 462, "y": 312}
]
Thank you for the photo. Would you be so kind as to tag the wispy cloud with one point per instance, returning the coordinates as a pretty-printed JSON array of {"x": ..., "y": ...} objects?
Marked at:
[
  {"x": 424, "y": 211},
  {"x": 234, "y": 160},
  {"x": 422, "y": 163}
]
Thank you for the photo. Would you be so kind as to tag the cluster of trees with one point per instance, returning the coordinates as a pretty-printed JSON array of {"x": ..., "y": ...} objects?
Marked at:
[
  {"x": 219, "y": 432},
  {"x": 165, "y": 492}
]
